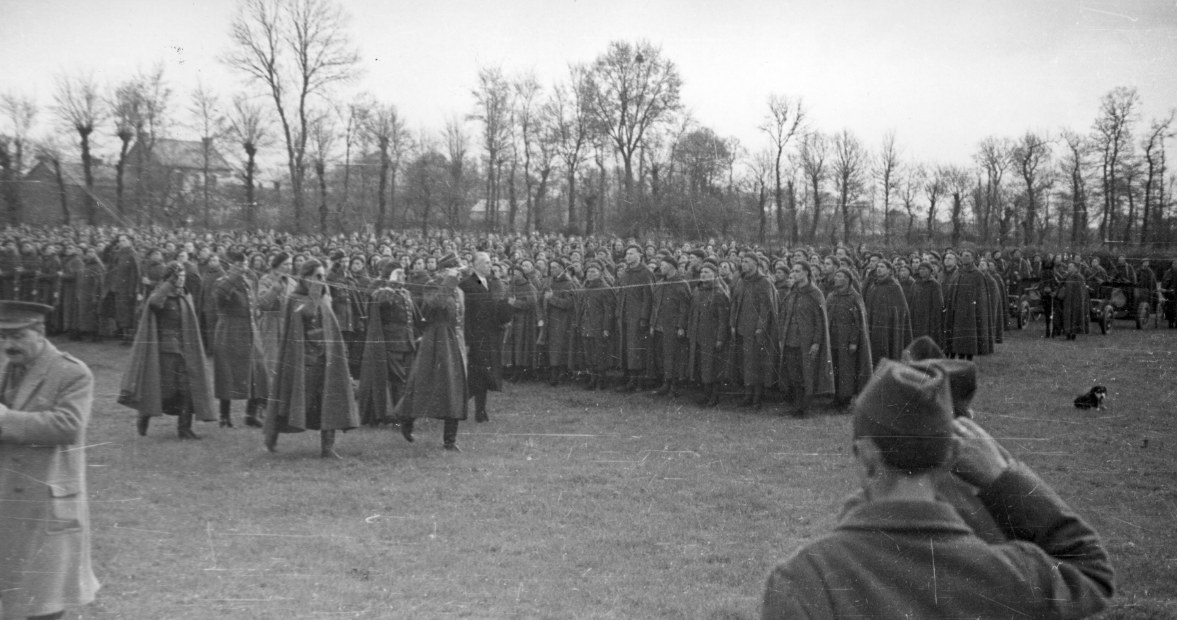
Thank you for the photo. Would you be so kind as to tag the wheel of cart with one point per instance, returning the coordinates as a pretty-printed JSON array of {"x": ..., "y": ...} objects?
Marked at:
[
  {"x": 1106, "y": 319},
  {"x": 1144, "y": 307},
  {"x": 1101, "y": 309}
]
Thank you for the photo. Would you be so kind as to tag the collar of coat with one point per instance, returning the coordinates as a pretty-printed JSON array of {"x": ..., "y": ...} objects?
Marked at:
[{"x": 904, "y": 516}]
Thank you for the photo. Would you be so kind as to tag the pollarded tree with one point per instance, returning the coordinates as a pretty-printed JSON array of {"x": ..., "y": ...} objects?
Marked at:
[
  {"x": 633, "y": 88},
  {"x": 935, "y": 187},
  {"x": 79, "y": 107},
  {"x": 297, "y": 50},
  {"x": 19, "y": 111},
  {"x": 247, "y": 126},
  {"x": 320, "y": 146},
  {"x": 957, "y": 182},
  {"x": 456, "y": 143}
]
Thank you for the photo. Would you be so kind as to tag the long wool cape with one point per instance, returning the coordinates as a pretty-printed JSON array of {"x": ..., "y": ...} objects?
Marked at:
[
  {"x": 889, "y": 320},
  {"x": 436, "y": 387},
  {"x": 805, "y": 305},
  {"x": 288, "y": 401},
  {"x": 926, "y": 304},
  {"x": 375, "y": 398},
  {"x": 847, "y": 316},
  {"x": 140, "y": 389}
]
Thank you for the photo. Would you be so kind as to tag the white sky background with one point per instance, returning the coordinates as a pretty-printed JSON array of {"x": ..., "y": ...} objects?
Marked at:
[{"x": 942, "y": 73}]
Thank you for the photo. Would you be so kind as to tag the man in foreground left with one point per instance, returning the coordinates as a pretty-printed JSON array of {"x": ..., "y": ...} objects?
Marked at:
[{"x": 45, "y": 399}]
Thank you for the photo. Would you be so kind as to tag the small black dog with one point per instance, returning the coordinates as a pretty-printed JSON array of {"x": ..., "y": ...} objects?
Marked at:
[{"x": 1093, "y": 399}]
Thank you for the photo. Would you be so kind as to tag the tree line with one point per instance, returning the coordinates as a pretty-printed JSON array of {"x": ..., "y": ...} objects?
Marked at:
[{"x": 608, "y": 147}]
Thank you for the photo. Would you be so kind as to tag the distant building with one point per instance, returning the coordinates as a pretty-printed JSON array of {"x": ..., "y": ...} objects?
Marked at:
[{"x": 41, "y": 195}]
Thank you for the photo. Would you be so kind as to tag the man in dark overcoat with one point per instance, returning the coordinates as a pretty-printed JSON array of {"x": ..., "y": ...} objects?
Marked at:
[
  {"x": 123, "y": 284},
  {"x": 389, "y": 347},
  {"x": 926, "y": 304},
  {"x": 707, "y": 332},
  {"x": 239, "y": 368},
  {"x": 967, "y": 320},
  {"x": 596, "y": 323},
  {"x": 669, "y": 315},
  {"x": 488, "y": 310},
  {"x": 887, "y": 315},
  {"x": 753, "y": 317},
  {"x": 635, "y": 298},
  {"x": 849, "y": 338},
  {"x": 559, "y": 299},
  {"x": 805, "y": 369}
]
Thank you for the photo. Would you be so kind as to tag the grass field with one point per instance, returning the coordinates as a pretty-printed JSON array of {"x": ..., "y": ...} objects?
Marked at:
[{"x": 574, "y": 504}]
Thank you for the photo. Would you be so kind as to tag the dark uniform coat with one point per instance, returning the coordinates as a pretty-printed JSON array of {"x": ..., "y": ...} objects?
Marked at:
[
  {"x": 926, "y": 304},
  {"x": 754, "y": 307},
  {"x": 967, "y": 317},
  {"x": 487, "y": 312},
  {"x": 804, "y": 324},
  {"x": 44, "y": 510},
  {"x": 436, "y": 387},
  {"x": 239, "y": 369},
  {"x": 671, "y": 312},
  {"x": 847, "y": 316},
  {"x": 635, "y": 297},
  {"x": 888, "y": 320},
  {"x": 708, "y": 332},
  {"x": 522, "y": 333},
  {"x": 388, "y": 352},
  {"x": 560, "y": 320},
  {"x": 597, "y": 318}
]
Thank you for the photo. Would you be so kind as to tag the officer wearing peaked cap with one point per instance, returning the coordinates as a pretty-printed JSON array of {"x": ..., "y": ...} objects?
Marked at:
[{"x": 45, "y": 400}]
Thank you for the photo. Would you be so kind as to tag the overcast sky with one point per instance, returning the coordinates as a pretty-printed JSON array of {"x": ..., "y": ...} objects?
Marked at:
[{"x": 942, "y": 74}]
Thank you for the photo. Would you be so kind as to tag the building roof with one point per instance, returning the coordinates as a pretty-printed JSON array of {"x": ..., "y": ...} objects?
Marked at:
[{"x": 187, "y": 154}]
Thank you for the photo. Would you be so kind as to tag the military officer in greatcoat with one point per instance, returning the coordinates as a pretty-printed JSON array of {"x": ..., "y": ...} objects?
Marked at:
[{"x": 45, "y": 399}]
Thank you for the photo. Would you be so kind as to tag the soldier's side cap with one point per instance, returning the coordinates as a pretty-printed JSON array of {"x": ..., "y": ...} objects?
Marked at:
[{"x": 20, "y": 314}]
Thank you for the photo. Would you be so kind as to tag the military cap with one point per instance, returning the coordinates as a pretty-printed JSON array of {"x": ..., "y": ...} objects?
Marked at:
[{"x": 21, "y": 314}]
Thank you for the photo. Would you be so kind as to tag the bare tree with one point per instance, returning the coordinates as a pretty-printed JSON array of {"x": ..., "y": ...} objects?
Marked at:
[
  {"x": 784, "y": 120},
  {"x": 247, "y": 126},
  {"x": 456, "y": 142},
  {"x": 352, "y": 115},
  {"x": 957, "y": 182},
  {"x": 79, "y": 106},
  {"x": 297, "y": 50},
  {"x": 526, "y": 113},
  {"x": 1153, "y": 146},
  {"x": 849, "y": 171},
  {"x": 569, "y": 129},
  {"x": 322, "y": 143},
  {"x": 206, "y": 111},
  {"x": 1073, "y": 167},
  {"x": 911, "y": 183},
  {"x": 761, "y": 168},
  {"x": 887, "y": 171},
  {"x": 815, "y": 161},
  {"x": 993, "y": 157},
  {"x": 935, "y": 186},
  {"x": 19, "y": 111},
  {"x": 1112, "y": 138},
  {"x": 386, "y": 128},
  {"x": 49, "y": 151},
  {"x": 1030, "y": 156},
  {"x": 633, "y": 87},
  {"x": 493, "y": 98}
]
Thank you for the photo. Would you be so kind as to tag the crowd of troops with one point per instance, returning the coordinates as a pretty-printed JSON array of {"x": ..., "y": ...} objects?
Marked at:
[{"x": 324, "y": 333}]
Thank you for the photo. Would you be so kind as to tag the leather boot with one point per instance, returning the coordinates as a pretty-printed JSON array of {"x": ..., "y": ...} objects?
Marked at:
[
  {"x": 554, "y": 376},
  {"x": 449, "y": 436},
  {"x": 327, "y": 445},
  {"x": 713, "y": 399},
  {"x": 749, "y": 399},
  {"x": 184, "y": 426},
  {"x": 757, "y": 395},
  {"x": 226, "y": 421},
  {"x": 802, "y": 405},
  {"x": 141, "y": 424},
  {"x": 480, "y": 407},
  {"x": 664, "y": 390},
  {"x": 251, "y": 409},
  {"x": 407, "y": 429},
  {"x": 706, "y": 396},
  {"x": 271, "y": 440}
]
